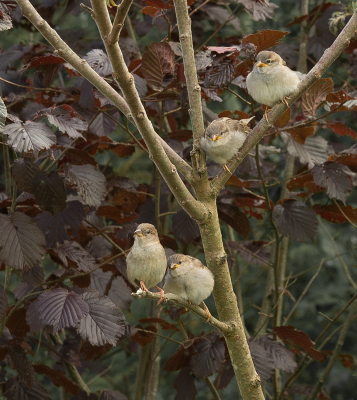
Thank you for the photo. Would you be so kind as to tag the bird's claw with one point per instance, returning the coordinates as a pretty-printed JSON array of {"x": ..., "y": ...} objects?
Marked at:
[
  {"x": 266, "y": 116},
  {"x": 143, "y": 287},
  {"x": 162, "y": 295},
  {"x": 285, "y": 101},
  {"x": 226, "y": 169},
  {"x": 208, "y": 314}
]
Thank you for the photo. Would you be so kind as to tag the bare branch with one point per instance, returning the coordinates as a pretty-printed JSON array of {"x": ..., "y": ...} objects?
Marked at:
[
  {"x": 193, "y": 88},
  {"x": 126, "y": 82},
  {"x": 122, "y": 12},
  {"x": 263, "y": 126},
  {"x": 221, "y": 326},
  {"x": 62, "y": 49}
]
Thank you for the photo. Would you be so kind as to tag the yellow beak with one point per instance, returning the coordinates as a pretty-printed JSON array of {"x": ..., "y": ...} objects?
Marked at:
[
  {"x": 174, "y": 266},
  {"x": 216, "y": 137},
  {"x": 261, "y": 65},
  {"x": 138, "y": 233}
]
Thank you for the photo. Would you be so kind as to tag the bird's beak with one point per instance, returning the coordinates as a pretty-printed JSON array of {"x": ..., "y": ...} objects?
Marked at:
[
  {"x": 174, "y": 266},
  {"x": 247, "y": 120},
  {"x": 138, "y": 233},
  {"x": 216, "y": 137},
  {"x": 261, "y": 65}
]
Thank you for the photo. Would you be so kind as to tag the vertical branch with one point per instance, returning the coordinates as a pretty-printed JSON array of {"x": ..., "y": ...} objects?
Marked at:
[
  {"x": 289, "y": 172},
  {"x": 121, "y": 14},
  {"x": 237, "y": 277},
  {"x": 227, "y": 307},
  {"x": 193, "y": 88},
  {"x": 142, "y": 372},
  {"x": 154, "y": 359}
]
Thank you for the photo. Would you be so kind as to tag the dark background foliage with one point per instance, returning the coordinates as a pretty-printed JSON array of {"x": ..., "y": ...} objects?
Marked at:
[{"x": 82, "y": 184}]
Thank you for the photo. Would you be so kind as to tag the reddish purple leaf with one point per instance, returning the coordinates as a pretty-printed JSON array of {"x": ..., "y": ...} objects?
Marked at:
[
  {"x": 208, "y": 355},
  {"x": 66, "y": 120},
  {"x": 184, "y": 227},
  {"x": 185, "y": 385},
  {"x": 264, "y": 39},
  {"x": 55, "y": 227},
  {"x": 290, "y": 334},
  {"x": 334, "y": 178},
  {"x": 30, "y": 136},
  {"x": 22, "y": 244},
  {"x": 295, "y": 219},
  {"x": 59, "y": 309},
  {"x": 158, "y": 63},
  {"x": 49, "y": 192},
  {"x": 105, "y": 323},
  {"x": 342, "y": 129},
  {"x": 73, "y": 255},
  {"x": 262, "y": 359},
  {"x": 313, "y": 98},
  {"x": 22, "y": 364},
  {"x": 232, "y": 216},
  {"x": 23, "y": 171},
  {"x": 90, "y": 183},
  {"x": 58, "y": 378}
]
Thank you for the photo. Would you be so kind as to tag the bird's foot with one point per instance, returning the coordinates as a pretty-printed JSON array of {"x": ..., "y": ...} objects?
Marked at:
[
  {"x": 143, "y": 287},
  {"x": 226, "y": 168},
  {"x": 190, "y": 303},
  {"x": 266, "y": 115},
  {"x": 208, "y": 314},
  {"x": 285, "y": 100},
  {"x": 162, "y": 295}
]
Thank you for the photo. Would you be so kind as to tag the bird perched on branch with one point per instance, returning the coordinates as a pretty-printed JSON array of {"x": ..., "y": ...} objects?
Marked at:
[
  {"x": 271, "y": 80},
  {"x": 223, "y": 138},
  {"x": 146, "y": 262},
  {"x": 188, "y": 278}
]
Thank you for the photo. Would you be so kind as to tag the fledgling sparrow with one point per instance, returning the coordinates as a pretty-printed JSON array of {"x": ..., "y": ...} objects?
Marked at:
[
  {"x": 271, "y": 80},
  {"x": 190, "y": 279},
  {"x": 223, "y": 138},
  {"x": 146, "y": 261}
]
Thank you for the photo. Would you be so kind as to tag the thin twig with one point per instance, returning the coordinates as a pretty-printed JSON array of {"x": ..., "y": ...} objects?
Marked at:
[
  {"x": 239, "y": 96},
  {"x": 342, "y": 212},
  {"x": 122, "y": 12},
  {"x": 303, "y": 293},
  {"x": 36, "y": 88},
  {"x": 157, "y": 334},
  {"x": 61, "y": 155},
  {"x": 105, "y": 236}
]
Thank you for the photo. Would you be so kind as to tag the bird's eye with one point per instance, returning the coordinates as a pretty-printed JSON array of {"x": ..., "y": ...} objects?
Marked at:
[
  {"x": 147, "y": 231},
  {"x": 269, "y": 61},
  {"x": 180, "y": 262}
]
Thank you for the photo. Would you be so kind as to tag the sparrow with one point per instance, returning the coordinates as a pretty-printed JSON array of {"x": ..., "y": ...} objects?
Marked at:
[
  {"x": 271, "y": 80},
  {"x": 223, "y": 138},
  {"x": 146, "y": 261},
  {"x": 188, "y": 278}
]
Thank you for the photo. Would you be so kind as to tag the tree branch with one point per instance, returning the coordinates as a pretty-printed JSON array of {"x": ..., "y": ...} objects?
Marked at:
[
  {"x": 263, "y": 126},
  {"x": 193, "y": 88},
  {"x": 122, "y": 12},
  {"x": 62, "y": 49},
  {"x": 221, "y": 326},
  {"x": 127, "y": 85}
]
